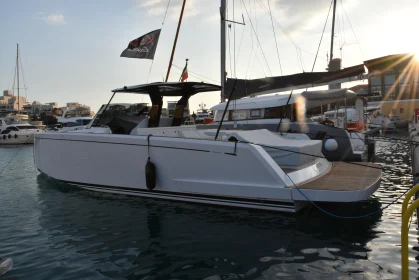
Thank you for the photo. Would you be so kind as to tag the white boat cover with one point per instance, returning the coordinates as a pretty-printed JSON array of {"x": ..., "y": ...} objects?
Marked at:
[{"x": 285, "y": 152}]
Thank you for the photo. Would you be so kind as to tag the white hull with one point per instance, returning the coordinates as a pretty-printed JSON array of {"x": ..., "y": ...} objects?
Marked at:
[
  {"x": 190, "y": 170},
  {"x": 16, "y": 138}
]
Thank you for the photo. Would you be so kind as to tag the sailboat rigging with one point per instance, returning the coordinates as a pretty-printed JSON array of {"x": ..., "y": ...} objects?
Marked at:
[{"x": 275, "y": 84}]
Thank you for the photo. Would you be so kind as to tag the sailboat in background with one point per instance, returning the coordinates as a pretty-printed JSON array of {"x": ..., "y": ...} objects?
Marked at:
[
  {"x": 15, "y": 128},
  {"x": 283, "y": 113}
]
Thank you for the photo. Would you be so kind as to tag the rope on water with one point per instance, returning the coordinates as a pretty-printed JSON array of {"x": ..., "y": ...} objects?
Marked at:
[
  {"x": 4, "y": 168},
  {"x": 349, "y": 217}
]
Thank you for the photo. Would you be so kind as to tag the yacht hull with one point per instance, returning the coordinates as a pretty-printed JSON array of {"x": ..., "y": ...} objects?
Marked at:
[
  {"x": 16, "y": 138},
  {"x": 189, "y": 170},
  {"x": 213, "y": 172}
]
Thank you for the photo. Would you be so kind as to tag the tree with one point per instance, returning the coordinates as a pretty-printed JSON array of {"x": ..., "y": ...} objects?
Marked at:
[{"x": 47, "y": 120}]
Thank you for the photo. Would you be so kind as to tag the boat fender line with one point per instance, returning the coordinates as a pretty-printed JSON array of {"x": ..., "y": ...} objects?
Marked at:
[
  {"x": 15, "y": 136},
  {"x": 10, "y": 136},
  {"x": 150, "y": 169},
  {"x": 4, "y": 137}
]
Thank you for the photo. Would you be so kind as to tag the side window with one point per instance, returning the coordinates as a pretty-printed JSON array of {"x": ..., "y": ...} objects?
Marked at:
[
  {"x": 6, "y": 131},
  {"x": 219, "y": 115},
  {"x": 12, "y": 128},
  {"x": 239, "y": 115},
  {"x": 255, "y": 113}
]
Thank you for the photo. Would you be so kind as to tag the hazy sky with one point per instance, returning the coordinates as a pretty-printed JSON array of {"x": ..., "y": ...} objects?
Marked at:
[{"x": 71, "y": 49}]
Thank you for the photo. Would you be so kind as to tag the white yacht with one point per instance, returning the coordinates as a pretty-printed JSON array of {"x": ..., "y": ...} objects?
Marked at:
[
  {"x": 14, "y": 131},
  {"x": 373, "y": 120},
  {"x": 202, "y": 114},
  {"x": 131, "y": 153}
]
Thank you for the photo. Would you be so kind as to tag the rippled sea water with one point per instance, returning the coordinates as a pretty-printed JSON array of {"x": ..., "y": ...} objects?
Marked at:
[{"x": 55, "y": 231}]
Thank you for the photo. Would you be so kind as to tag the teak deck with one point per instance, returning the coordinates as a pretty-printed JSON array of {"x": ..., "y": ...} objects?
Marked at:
[{"x": 346, "y": 177}]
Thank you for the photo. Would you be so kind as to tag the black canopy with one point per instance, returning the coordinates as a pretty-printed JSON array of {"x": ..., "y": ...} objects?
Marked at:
[
  {"x": 299, "y": 80},
  {"x": 170, "y": 88},
  {"x": 157, "y": 91}
]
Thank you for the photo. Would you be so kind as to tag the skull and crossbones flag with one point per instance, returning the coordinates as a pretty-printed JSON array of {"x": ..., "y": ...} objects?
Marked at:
[{"x": 143, "y": 47}]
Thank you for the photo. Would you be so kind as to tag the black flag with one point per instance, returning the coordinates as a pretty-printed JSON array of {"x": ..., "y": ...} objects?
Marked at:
[{"x": 143, "y": 47}]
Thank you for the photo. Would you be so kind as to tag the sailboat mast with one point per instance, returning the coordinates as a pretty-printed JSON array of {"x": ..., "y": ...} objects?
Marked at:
[
  {"x": 333, "y": 31},
  {"x": 223, "y": 48},
  {"x": 174, "y": 44},
  {"x": 17, "y": 69}
]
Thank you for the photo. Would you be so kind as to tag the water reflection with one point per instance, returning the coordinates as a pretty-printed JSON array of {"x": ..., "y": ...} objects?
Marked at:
[
  {"x": 131, "y": 237},
  {"x": 55, "y": 231}
]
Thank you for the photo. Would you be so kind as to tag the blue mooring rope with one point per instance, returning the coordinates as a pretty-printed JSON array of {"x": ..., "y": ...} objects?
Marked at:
[{"x": 351, "y": 217}]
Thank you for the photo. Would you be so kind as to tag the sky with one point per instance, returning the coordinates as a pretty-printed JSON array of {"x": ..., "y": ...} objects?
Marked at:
[{"x": 70, "y": 50}]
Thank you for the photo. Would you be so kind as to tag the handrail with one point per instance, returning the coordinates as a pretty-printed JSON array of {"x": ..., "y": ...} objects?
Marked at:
[
  {"x": 406, "y": 214},
  {"x": 407, "y": 197}
]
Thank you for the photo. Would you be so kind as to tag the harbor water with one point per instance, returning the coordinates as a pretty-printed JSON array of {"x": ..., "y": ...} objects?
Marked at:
[{"x": 55, "y": 231}]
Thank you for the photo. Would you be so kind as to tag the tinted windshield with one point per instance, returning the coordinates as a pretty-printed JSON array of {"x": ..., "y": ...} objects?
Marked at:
[
  {"x": 83, "y": 121},
  {"x": 114, "y": 110},
  {"x": 26, "y": 127},
  {"x": 70, "y": 124}
]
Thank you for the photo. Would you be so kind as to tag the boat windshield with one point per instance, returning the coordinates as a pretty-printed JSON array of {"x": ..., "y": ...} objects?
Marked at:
[
  {"x": 26, "y": 127},
  {"x": 117, "y": 113},
  {"x": 70, "y": 124},
  {"x": 83, "y": 121}
]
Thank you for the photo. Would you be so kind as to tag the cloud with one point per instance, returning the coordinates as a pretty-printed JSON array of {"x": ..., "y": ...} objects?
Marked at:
[
  {"x": 296, "y": 16},
  {"x": 147, "y": 3},
  {"x": 158, "y": 7},
  {"x": 52, "y": 18},
  {"x": 304, "y": 15}
]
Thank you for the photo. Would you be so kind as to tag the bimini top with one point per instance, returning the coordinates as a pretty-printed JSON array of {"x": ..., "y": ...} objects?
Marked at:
[
  {"x": 257, "y": 102},
  {"x": 170, "y": 88},
  {"x": 328, "y": 95},
  {"x": 313, "y": 99}
]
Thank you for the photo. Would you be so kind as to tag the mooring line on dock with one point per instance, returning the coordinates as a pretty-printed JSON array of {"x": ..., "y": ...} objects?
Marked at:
[{"x": 22, "y": 145}]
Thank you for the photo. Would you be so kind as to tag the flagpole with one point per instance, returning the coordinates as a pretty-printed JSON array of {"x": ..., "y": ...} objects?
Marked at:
[
  {"x": 174, "y": 44},
  {"x": 223, "y": 49}
]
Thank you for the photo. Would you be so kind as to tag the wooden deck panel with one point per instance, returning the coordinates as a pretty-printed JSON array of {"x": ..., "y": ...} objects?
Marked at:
[{"x": 346, "y": 177}]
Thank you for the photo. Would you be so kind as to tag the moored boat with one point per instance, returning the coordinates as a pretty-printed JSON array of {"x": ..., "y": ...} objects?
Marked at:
[
  {"x": 279, "y": 113},
  {"x": 251, "y": 169},
  {"x": 13, "y": 132}
]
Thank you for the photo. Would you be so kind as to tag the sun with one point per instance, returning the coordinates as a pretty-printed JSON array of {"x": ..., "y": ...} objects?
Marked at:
[{"x": 416, "y": 57}]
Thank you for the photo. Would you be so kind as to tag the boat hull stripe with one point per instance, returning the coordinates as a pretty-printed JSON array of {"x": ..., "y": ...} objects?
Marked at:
[{"x": 174, "y": 195}]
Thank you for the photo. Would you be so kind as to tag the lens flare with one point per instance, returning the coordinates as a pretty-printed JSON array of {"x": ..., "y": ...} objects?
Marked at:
[{"x": 301, "y": 113}]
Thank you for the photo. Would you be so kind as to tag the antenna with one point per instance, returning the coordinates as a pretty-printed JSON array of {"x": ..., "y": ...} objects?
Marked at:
[{"x": 17, "y": 69}]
